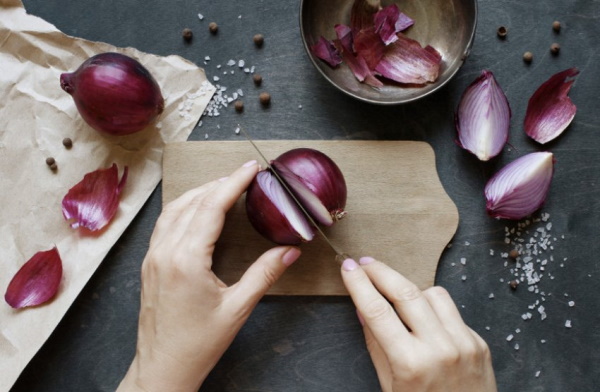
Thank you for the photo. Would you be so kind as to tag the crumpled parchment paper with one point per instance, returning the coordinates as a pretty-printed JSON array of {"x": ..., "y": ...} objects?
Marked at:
[{"x": 35, "y": 116}]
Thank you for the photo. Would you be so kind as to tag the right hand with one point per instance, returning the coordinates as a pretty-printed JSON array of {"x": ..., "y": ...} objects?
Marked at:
[{"x": 417, "y": 339}]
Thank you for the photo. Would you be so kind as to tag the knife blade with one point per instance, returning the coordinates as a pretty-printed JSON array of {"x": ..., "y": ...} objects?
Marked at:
[{"x": 339, "y": 255}]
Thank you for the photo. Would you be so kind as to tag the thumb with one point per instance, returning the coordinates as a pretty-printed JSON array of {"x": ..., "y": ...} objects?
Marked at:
[{"x": 263, "y": 273}]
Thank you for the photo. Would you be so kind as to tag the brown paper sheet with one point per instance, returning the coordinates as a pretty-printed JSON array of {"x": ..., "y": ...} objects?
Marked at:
[{"x": 35, "y": 116}]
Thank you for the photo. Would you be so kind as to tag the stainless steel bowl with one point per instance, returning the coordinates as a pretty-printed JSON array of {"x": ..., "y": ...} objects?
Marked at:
[{"x": 447, "y": 25}]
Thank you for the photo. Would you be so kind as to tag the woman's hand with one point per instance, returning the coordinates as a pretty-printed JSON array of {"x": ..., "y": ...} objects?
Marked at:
[
  {"x": 417, "y": 339},
  {"x": 188, "y": 316}
]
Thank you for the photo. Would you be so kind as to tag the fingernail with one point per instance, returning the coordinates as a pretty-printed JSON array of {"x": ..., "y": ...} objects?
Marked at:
[
  {"x": 361, "y": 320},
  {"x": 349, "y": 265},
  {"x": 366, "y": 260},
  {"x": 223, "y": 179},
  {"x": 290, "y": 256},
  {"x": 250, "y": 163}
]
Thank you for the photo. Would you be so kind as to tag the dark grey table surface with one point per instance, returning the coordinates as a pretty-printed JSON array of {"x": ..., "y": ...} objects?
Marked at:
[{"x": 315, "y": 343}]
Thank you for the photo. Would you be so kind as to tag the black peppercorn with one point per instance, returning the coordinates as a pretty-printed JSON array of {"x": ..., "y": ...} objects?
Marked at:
[
  {"x": 239, "y": 106},
  {"x": 257, "y": 79},
  {"x": 502, "y": 31},
  {"x": 554, "y": 48},
  {"x": 187, "y": 34},
  {"x": 50, "y": 161},
  {"x": 54, "y": 166},
  {"x": 265, "y": 98},
  {"x": 67, "y": 142},
  {"x": 258, "y": 39},
  {"x": 528, "y": 57},
  {"x": 514, "y": 284},
  {"x": 513, "y": 254},
  {"x": 556, "y": 26},
  {"x": 213, "y": 28}
]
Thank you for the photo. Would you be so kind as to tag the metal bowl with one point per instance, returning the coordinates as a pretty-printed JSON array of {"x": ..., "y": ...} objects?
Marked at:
[{"x": 447, "y": 25}]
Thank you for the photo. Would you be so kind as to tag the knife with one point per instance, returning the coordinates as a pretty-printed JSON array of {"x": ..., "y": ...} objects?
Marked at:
[{"x": 339, "y": 255}]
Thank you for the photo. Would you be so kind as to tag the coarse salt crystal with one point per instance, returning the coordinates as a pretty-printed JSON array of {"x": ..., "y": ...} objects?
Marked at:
[
  {"x": 200, "y": 16},
  {"x": 510, "y": 337},
  {"x": 571, "y": 303},
  {"x": 491, "y": 296},
  {"x": 568, "y": 324},
  {"x": 464, "y": 277},
  {"x": 516, "y": 346},
  {"x": 216, "y": 78},
  {"x": 241, "y": 63},
  {"x": 231, "y": 62},
  {"x": 207, "y": 58},
  {"x": 463, "y": 261},
  {"x": 537, "y": 374}
]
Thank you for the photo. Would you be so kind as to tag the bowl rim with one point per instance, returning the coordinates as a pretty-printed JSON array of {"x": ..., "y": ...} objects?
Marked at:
[{"x": 314, "y": 61}]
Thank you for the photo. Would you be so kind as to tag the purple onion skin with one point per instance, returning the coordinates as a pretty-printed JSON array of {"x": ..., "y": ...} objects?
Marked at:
[
  {"x": 114, "y": 93},
  {"x": 266, "y": 218},
  {"x": 321, "y": 175}
]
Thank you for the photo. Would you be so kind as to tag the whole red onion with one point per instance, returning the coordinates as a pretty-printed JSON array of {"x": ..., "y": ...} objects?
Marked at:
[
  {"x": 114, "y": 93},
  {"x": 316, "y": 182}
]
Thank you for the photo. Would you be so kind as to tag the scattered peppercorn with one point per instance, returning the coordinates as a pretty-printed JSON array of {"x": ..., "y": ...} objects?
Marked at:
[
  {"x": 257, "y": 79},
  {"x": 50, "y": 161},
  {"x": 528, "y": 57},
  {"x": 239, "y": 106},
  {"x": 513, "y": 254},
  {"x": 258, "y": 39},
  {"x": 67, "y": 142},
  {"x": 54, "y": 167},
  {"x": 265, "y": 98},
  {"x": 514, "y": 284},
  {"x": 554, "y": 48},
  {"x": 556, "y": 26},
  {"x": 213, "y": 28},
  {"x": 502, "y": 31},
  {"x": 187, "y": 34}
]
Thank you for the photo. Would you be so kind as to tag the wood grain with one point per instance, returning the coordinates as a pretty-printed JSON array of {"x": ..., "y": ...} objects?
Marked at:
[{"x": 398, "y": 211}]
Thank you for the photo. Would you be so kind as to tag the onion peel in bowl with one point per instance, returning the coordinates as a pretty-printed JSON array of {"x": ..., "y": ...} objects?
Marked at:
[
  {"x": 94, "y": 201},
  {"x": 374, "y": 46},
  {"x": 520, "y": 188},
  {"x": 37, "y": 281},
  {"x": 483, "y": 117},
  {"x": 550, "y": 110}
]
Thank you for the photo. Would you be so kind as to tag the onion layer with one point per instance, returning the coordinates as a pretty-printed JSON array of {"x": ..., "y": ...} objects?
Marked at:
[
  {"x": 550, "y": 110},
  {"x": 316, "y": 182},
  {"x": 114, "y": 93},
  {"x": 37, "y": 281}
]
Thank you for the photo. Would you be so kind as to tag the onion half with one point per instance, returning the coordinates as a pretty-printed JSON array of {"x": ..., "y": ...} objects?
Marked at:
[
  {"x": 483, "y": 117},
  {"x": 520, "y": 188}
]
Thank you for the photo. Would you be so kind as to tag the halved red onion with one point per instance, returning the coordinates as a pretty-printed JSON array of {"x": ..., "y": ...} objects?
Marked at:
[
  {"x": 389, "y": 21},
  {"x": 483, "y": 117},
  {"x": 37, "y": 281},
  {"x": 406, "y": 61},
  {"x": 326, "y": 51},
  {"x": 550, "y": 110},
  {"x": 274, "y": 214},
  {"x": 315, "y": 181},
  {"x": 94, "y": 201},
  {"x": 521, "y": 187}
]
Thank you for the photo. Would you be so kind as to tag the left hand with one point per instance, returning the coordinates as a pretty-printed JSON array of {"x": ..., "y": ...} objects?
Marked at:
[{"x": 188, "y": 316}]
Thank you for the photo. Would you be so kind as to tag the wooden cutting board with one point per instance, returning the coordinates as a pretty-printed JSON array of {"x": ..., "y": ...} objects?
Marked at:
[{"x": 398, "y": 211}]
